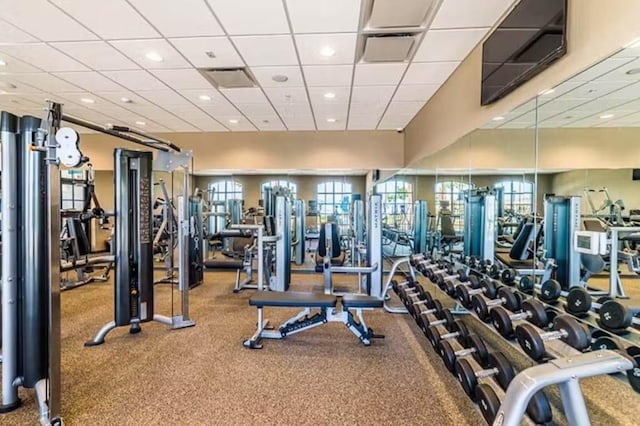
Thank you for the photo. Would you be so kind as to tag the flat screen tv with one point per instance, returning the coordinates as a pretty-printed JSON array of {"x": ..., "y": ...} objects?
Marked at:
[{"x": 527, "y": 41}]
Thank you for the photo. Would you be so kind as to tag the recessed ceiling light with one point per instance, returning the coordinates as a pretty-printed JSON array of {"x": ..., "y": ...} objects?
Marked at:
[
  {"x": 498, "y": 118},
  {"x": 327, "y": 51},
  {"x": 605, "y": 116},
  {"x": 329, "y": 95},
  {"x": 546, "y": 92},
  {"x": 280, "y": 78},
  {"x": 88, "y": 101},
  {"x": 126, "y": 100},
  {"x": 633, "y": 71},
  {"x": 141, "y": 123},
  {"x": 154, "y": 56},
  {"x": 2, "y": 63},
  {"x": 233, "y": 121},
  {"x": 331, "y": 120},
  {"x": 204, "y": 97}
]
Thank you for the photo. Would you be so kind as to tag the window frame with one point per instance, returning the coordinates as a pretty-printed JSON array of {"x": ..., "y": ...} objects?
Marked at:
[
  {"x": 324, "y": 193},
  {"x": 233, "y": 190},
  {"x": 512, "y": 198},
  {"x": 456, "y": 206},
  {"x": 290, "y": 185},
  {"x": 392, "y": 212}
]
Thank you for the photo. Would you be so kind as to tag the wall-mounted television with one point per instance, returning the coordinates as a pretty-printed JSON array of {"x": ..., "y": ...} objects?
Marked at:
[{"x": 527, "y": 41}]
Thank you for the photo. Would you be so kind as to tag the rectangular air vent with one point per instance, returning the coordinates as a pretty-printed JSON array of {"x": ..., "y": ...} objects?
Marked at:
[
  {"x": 229, "y": 78},
  {"x": 391, "y": 14},
  {"x": 388, "y": 48}
]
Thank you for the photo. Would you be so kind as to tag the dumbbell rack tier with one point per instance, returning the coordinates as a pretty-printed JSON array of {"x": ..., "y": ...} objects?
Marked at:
[{"x": 554, "y": 348}]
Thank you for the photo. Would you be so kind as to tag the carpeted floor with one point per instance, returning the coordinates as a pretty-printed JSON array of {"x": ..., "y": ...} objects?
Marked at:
[{"x": 204, "y": 376}]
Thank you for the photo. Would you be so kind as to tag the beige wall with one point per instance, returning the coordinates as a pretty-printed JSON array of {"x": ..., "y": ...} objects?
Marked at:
[{"x": 595, "y": 30}]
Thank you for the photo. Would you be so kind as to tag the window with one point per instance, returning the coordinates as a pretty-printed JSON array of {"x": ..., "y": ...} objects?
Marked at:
[
  {"x": 225, "y": 190},
  {"x": 517, "y": 196},
  {"x": 73, "y": 190},
  {"x": 397, "y": 203},
  {"x": 334, "y": 202},
  {"x": 292, "y": 187},
  {"x": 450, "y": 195}
]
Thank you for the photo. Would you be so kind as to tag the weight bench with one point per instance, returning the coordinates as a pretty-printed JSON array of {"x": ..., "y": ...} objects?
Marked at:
[{"x": 304, "y": 320}]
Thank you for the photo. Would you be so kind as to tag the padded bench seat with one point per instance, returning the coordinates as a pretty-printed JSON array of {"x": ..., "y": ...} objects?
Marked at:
[
  {"x": 360, "y": 301},
  {"x": 223, "y": 264},
  {"x": 292, "y": 299}
]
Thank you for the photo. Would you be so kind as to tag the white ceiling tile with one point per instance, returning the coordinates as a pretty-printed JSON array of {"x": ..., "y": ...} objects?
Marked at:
[
  {"x": 326, "y": 16},
  {"x": 287, "y": 95},
  {"x": 43, "y": 56},
  {"x": 339, "y": 124},
  {"x": 374, "y": 110},
  {"x": 236, "y": 123},
  {"x": 182, "y": 79},
  {"x": 137, "y": 49},
  {"x": 268, "y": 123},
  {"x": 448, "y": 45},
  {"x": 136, "y": 80},
  {"x": 391, "y": 122},
  {"x": 43, "y": 20},
  {"x": 245, "y": 17},
  {"x": 98, "y": 55},
  {"x": 163, "y": 97},
  {"x": 90, "y": 80},
  {"x": 378, "y": 74},
  {"x": 328, "y": 75},
  {"x": 12, "y": 34},
  {"x": 255, "y": 109},
  {"x": 295, "y": 112},
  {"x": 14, "y": 65},
  {"x": 244, "y": 95},
  {"x": 300, "y": 125},
  {"x": 341, "y": 95},
  {"x": 600, "y": 69},
  {"x": 116, "y": 97},
  {"x": 187, "y": 112},
  {"x": 264, "y": 76},
  {"x": 220, "y": 107},
  {"x": 363, "y": 122},
  {"x": 409, "y": 109},
  {"x": 310, "y": 47},
  {"x": 178, "y": 125},
  {"x": 266, "y": 50},
  {"x": 209, "y": 125},
  {"x": 372, "y": 94},
  {"x": 620, "y": 73},
  {"x": 335, "y": 110},
  {"x": 113, "y": 19},
  {"x": 429, "y": 72},
  {"x": 470, "y": 13},
  {"x": 211, "y": 97},
  {"x": 195, "y": 50},
  {"x": 149, "y": 111},
  {"x": 594, "y": 89},
  {"x": 557, "y": 91},
  {"x": 47, "y": 82},
  {"x": 418, "y": 92},
  {"x": 184, "y": 18}
]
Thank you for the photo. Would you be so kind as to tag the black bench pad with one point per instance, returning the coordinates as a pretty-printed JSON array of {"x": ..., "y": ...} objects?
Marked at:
[
  {"x": 360, "y": 301},
  {"x": 223, "y": 264},
  {"x": 292, "y": 299}
]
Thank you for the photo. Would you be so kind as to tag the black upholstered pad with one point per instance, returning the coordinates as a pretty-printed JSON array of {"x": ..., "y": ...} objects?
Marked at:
[
  {"x": 360, "y": 301},
  {"x": 223, "y": 264},
  {"x": 292, "y": 299}
]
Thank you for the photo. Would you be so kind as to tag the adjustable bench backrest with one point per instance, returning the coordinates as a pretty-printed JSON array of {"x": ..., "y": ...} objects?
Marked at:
[
  {"x": 528, "y": 234},
  {"x": 446, "y": 226},
  {"x": 76, "y": 231}
]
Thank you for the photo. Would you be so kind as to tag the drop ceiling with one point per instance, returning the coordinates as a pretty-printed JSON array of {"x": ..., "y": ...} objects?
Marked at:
[
  {"x": 97, "y": 57},
  {"x": 605, "y": 95}
]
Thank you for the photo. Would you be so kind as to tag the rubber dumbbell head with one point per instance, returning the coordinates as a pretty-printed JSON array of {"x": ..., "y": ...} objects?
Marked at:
[
  {"x": 508, "y": 276},
  {"x": 538, "y": 409},
  {"x": 550, "y": 291},
  {"x": 445, "y": 317},
  {"x": 532, "y": 311},
  {"x": 474, "y": 346},
  {"x": 460, "y": 275},
  {"x": 506, "y": 297},
  {"x": 578, "y": 301},
  {"x": 464, "y": 294},
  {"x": 615, "y": 316},
  {"x": 499, "y": 368},
  {"x": 434, "y": 308},
  {"x": 565, "y": 328},
  {"x": 450, "y": 287}
]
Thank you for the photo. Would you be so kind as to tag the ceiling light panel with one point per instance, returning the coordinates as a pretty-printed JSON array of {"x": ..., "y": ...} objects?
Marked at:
[
  {"x": 247, "y": 17},
  {"x": 90, "y": 81},
  {"x": 378, "y": 74},
  {"x": 338, "y": 125},
  {"x": 11, "y": 34},
  {"x": 184, "y": 18},
  {"x": 43, "y": 20},
  {"x": 264, "y": 76},
  {"x": 419, "y": 92},
  {"x": 113, "y": 19},
  {"x": 135, "y": 80},
  {"x": 138, "y": 50},
  {"x": 469, "y": 13},
  {"x": 43, "y": 56},
  {"x": 310, "y": 48},
  {"x": 328, "y": 75},
  {"x": 98, "y": 55},
  {"x": 182, "y": 79},
  {"x": 198, "y": 96},
  {"x": 429, "y": 72},
  {"x": 266, "y": 50},
  {"x": 341, "y": 95},
  {"x": 324, "y": 16},
  {"x": 448, "y": 45},
  {"x": 195, "y": 50}
]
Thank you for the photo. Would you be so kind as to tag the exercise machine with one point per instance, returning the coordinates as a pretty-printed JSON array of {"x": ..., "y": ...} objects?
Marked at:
[
  {"x": 420, "y": 224},
  {"x": 561, "y": 221},
  {"x": 480, "y": 224}
]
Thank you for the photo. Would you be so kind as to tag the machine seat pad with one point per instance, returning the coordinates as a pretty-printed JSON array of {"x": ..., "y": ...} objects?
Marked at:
[
  {"x": 223, "y": 264},
  {"x": 352, "y": 300},
  {"x": 292, "y": 299}
]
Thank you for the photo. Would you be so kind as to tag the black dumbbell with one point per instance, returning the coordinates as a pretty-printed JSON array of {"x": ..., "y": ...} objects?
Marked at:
[
  {"x": 460, "y": 275},
  {"x": 443, "y": 269},
  {"x": 415, "y": 299},
  {"x": 538, "y": 409},
  {"x": 633, "y": 375},
  {"x": 578, "y": 301},
  {"x": 464, "y": 293},
  {"x": 550, "y": 291},
  {"x": 450, "y": 286},
  {"x": 458, "y": 331},
  {"x": 512, "y": 277},
  {"x": 601, "y": 340},
  {"x": 444, "y": 317},
  {"x": 414, "y": 259},
  {"x": 506, "y": 297},
  {"x": 426, "y": 267},
  {"x": 532, "y": 311},
  {"x": 433, "y": 308},
  {"x": 565, "y": 328},
  {"x": 498, "y": 367},
  {"x": 615, "y": 316},
  {"x": 473, "y": 346}
]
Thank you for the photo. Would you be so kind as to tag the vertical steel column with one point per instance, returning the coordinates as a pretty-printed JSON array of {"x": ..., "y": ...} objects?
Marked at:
[
  {"x": 299, "y": 231},
  {"x": 183, "y": 208},
  {"x": 489, "y": 228},
  {"x": 10, "y": 259},
  {"x": 283, "y": 244},
  {"x": 374, "y": 245}
]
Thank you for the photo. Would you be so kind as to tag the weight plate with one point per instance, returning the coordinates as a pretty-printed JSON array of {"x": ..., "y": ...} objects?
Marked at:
[
  {"x": 481, "y": 355},
  {"x": 505, "y": 370},
  {"x": 578, "y": 301},
  {"x": 537, "y": 311},
  {"x": 474, "y": 282},
  {"x": 550, "y": 291},
  {"x": 577, "y": 336},
  {"x": 490, "y": 288},
  {"x": 510, "y": 299},
  {"x": 539, "y": 409},
  {"x": 502, "y": 322},
  {"x": 463, "y": 332},
  {"x": 479, "y": 306},
  {"x": 614, "y": 315},
  {"x": 530, "y": 341},
  {"x": 448, "y": 317},
  {"x": 466, "y": 376},
  {"x": 508, "y": 276},
  {"x": 525, "y": 284},
  {"x": 448, "y": 355},
  {"x": 604, "y": 342},
  {"x": 633, "y": 351},
  {"x": 488, "y": 402}
]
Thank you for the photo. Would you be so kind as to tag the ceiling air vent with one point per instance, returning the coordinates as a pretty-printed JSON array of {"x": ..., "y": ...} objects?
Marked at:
[
  {"x": 229, "y": 78},
  {"x": 388, "y": 48},
  {"x": 391, "y": 14}
]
